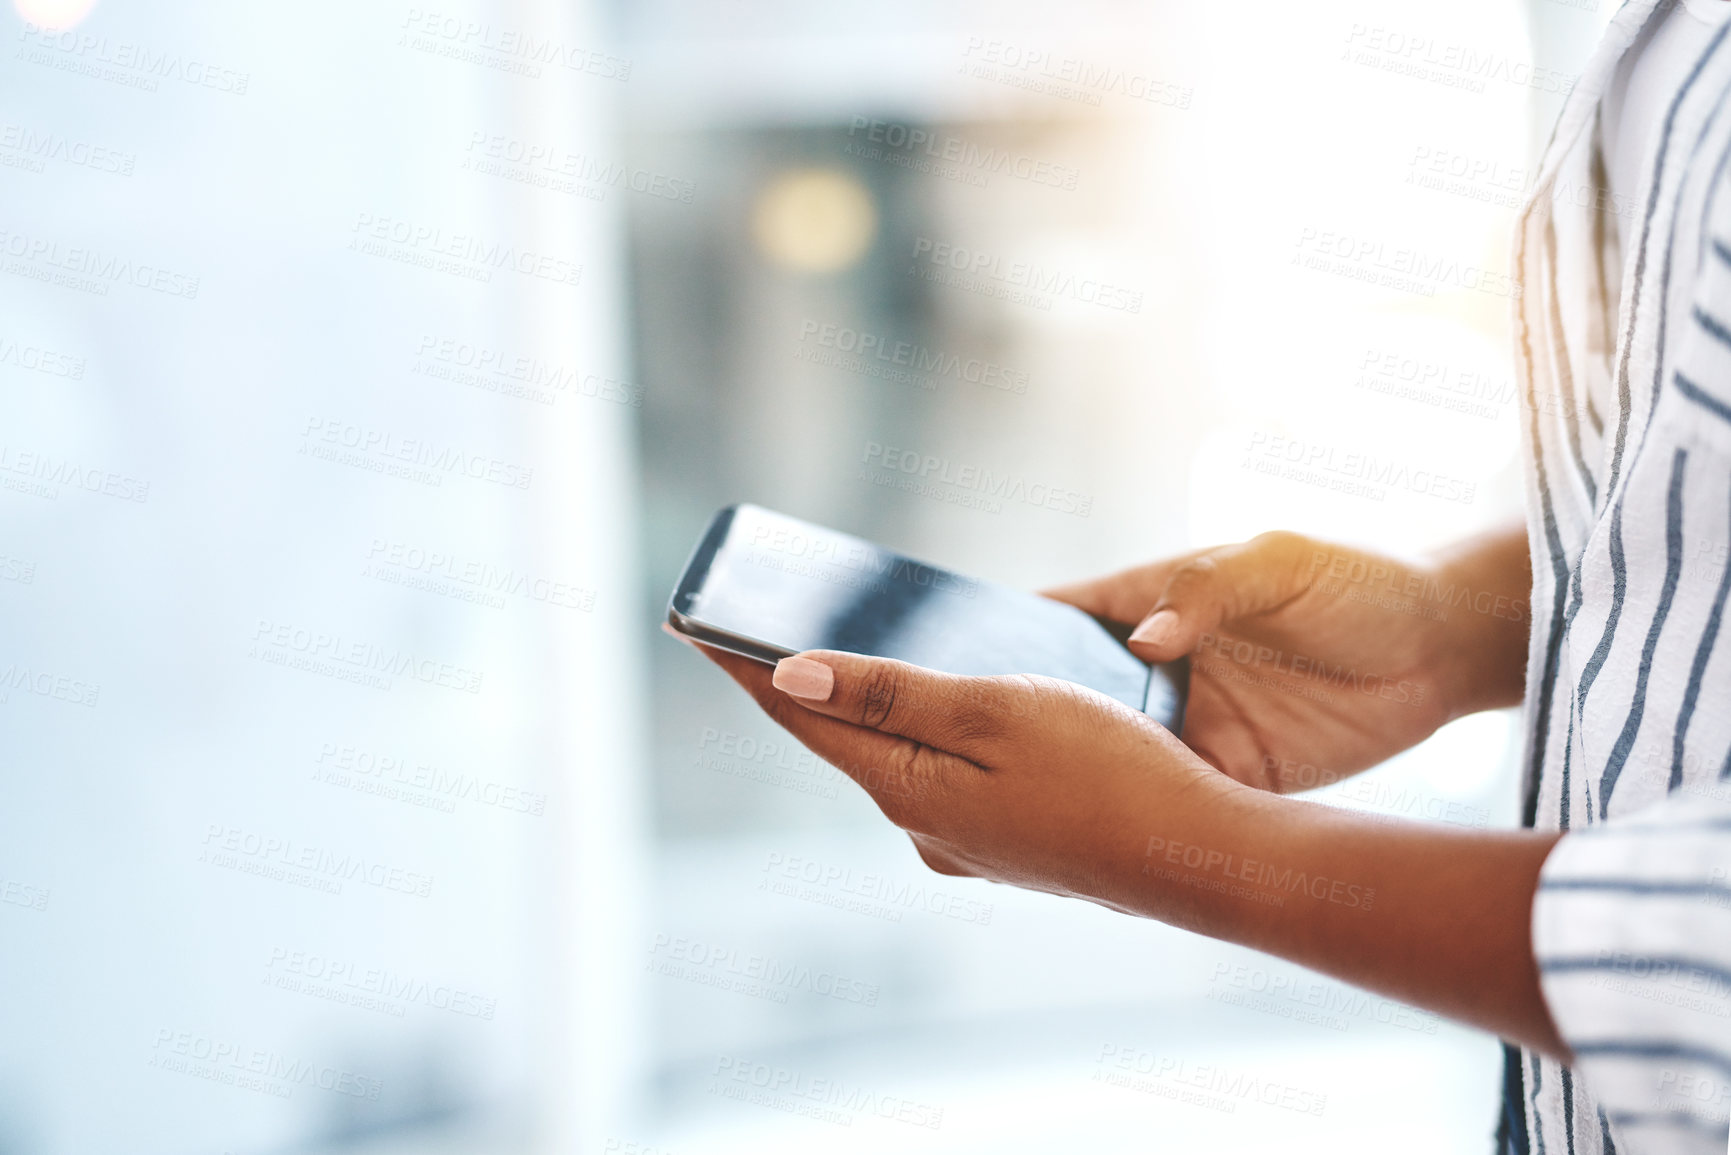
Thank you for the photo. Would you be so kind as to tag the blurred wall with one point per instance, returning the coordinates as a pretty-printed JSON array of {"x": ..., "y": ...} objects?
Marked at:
[{"x": 317, "y": 723}]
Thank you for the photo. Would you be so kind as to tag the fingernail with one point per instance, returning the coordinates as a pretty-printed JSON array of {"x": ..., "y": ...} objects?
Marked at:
[
  {"x": 1157, "y": 630},
  {"x": 804, "y": 678},
  {"x": 676, "y": 635}
]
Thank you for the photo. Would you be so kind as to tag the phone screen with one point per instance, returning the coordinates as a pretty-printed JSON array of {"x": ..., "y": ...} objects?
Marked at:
[{"x": 768, "y": 585}]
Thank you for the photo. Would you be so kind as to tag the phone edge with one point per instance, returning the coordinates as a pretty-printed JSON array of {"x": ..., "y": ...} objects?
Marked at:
[{"x": 745, "y": 647}]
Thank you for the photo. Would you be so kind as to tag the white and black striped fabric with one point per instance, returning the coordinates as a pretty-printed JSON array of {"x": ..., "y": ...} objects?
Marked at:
[{"x": 1624, "y": 355}]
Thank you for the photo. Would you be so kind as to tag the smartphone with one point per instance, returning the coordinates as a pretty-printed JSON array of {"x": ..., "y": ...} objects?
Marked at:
[{"x": 766, "y": 585}]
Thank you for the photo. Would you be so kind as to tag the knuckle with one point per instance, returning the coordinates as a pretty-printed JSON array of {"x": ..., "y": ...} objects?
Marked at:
[
  {"x": 1285, "y": 553},
  {"x": 1278, "y": 542},
  {"x": 877, "y": 696},
  {"x": 979, "y": 712},
  {"x": 1194, "y": 575}
]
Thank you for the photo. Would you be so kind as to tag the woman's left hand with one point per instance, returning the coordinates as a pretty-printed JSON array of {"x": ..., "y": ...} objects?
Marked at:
[{"x": 1027, "y": 780}]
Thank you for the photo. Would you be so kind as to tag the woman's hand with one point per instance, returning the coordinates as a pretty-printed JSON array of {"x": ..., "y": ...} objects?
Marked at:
[
  {"x": 1312, "y": 661},
  {"x": 1025, "y": 780},
  {"x": 1053, "y": 787}
]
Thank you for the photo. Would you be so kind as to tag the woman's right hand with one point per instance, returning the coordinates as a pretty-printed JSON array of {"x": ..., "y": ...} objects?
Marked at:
[{"x": 1311, "y": 661}]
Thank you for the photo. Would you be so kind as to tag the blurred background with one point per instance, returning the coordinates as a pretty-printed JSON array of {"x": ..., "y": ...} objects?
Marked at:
[{"x": 366, "y": 376}]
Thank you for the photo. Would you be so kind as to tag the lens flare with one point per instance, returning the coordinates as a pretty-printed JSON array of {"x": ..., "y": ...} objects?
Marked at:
[
  {"x": 814, "y": 220},
  {"x": 53, "y": 15}
]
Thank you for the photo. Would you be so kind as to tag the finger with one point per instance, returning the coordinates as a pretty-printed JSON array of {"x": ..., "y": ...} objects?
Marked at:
[
  {"x": 964, "y": 716},
  {"x": 1125, "y": 596},
  {"x": 898, "y": 773},
  {"x": 1221, "y": 585}
]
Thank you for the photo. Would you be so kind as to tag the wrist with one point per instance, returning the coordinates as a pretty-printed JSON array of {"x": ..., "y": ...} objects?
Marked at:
[
  {"x": 1481, "y": 641},
  {"x": 1191, "y": 855}
]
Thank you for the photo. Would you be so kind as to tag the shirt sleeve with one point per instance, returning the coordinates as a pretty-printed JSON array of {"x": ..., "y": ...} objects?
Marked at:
[{"x": 1632, "y": 931}]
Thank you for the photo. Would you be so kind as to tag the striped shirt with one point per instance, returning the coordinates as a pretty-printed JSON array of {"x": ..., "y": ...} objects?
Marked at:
[{"x": 1623, "y": 346}]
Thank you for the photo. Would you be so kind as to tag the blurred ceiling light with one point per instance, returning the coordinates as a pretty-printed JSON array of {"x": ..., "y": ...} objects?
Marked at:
[
  {"x": 814, "y": 220},
  {"x": 53, "y": 15}
]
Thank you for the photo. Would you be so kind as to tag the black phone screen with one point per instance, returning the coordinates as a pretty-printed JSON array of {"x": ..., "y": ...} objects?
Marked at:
[{"x": 767, "y": 585}]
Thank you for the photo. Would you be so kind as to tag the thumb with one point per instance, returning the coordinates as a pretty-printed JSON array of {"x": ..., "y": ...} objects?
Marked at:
[
  {"x": 964, "y": 716},
  {"x": 1219, "y": 586}
]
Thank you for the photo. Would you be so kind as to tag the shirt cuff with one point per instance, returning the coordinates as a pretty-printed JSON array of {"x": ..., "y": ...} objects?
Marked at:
[{"x": 1632, "y": 932}]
